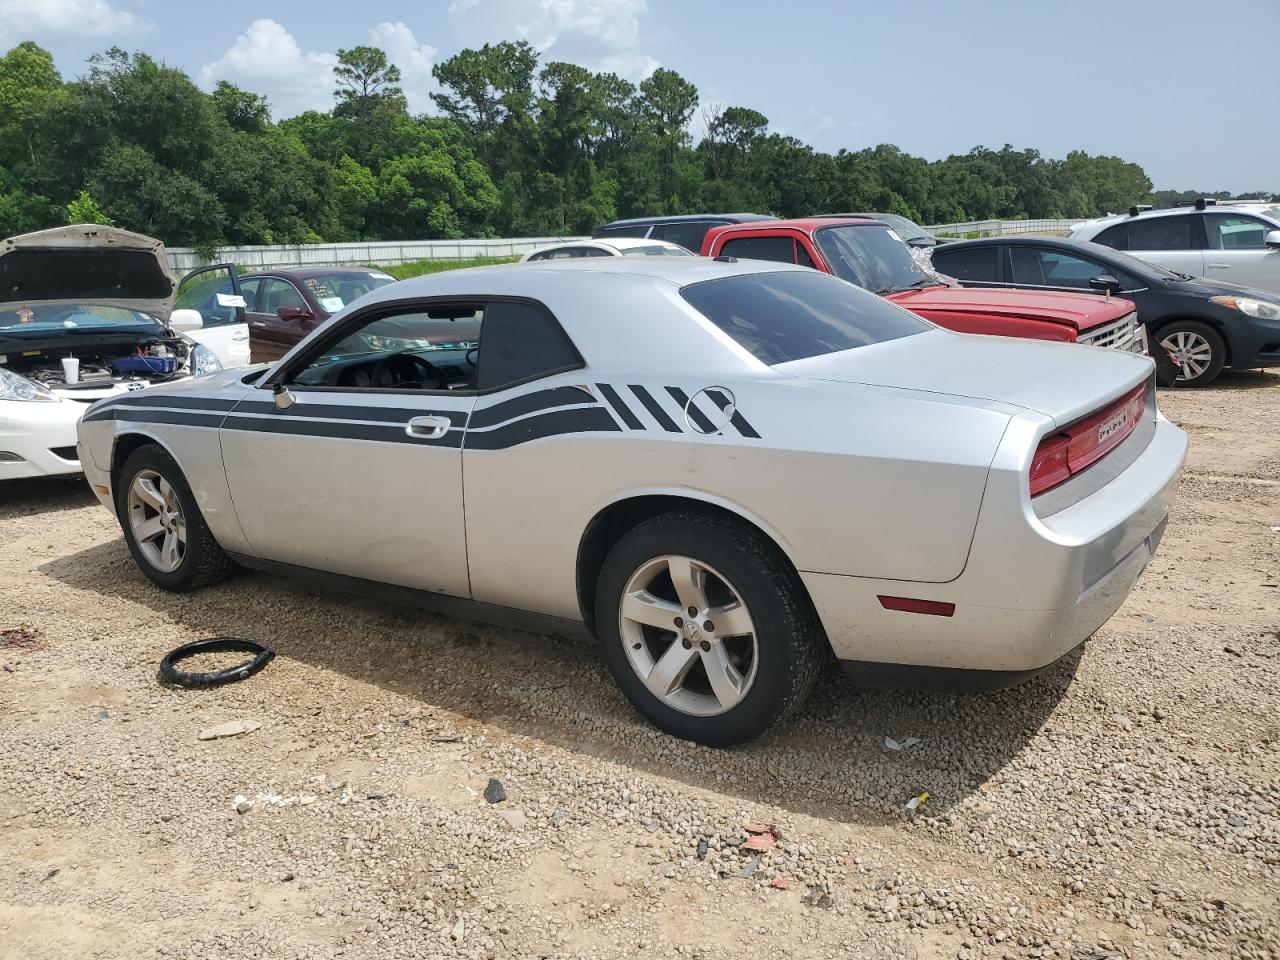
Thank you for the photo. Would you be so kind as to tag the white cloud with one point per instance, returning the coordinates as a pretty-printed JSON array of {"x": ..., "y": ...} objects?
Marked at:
[
  {"x": 267, "y": 59},
  {"x": 39, "y": 18},
  {"x": 603, "y": 35},
  {"x": 413, "y": 58}
]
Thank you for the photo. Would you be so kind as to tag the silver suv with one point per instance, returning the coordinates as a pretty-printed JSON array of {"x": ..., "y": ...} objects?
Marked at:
[{"x": 1232, "y": 242}]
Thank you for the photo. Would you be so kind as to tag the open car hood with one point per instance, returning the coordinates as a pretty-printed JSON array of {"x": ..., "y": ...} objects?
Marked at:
[
  {"x": 1080, "y": 310},
  {"x": 87, "y": 264}
]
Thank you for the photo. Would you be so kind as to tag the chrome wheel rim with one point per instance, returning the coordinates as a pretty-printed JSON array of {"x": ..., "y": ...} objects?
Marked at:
[
  {"x": 1190, "y": 353},
  {"x": 156, "y": 521},
  {"x": 688, "y": 635}
]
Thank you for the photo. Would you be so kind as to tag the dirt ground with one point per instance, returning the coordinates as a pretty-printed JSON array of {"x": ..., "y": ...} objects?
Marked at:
[{"x": 1123, "y": 804}]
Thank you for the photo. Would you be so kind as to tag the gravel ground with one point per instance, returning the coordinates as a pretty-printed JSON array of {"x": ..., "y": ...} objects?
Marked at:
[{"x": 1123, "y": 804}]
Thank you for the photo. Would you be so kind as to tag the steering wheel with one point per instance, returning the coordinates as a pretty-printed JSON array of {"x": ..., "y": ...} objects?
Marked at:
[
  {"x": 402, "y": 368},
  {"x": 472, "y": 356}
]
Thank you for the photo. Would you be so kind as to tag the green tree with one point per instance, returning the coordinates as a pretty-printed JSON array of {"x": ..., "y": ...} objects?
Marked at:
[{"x": 84, "y": 209}]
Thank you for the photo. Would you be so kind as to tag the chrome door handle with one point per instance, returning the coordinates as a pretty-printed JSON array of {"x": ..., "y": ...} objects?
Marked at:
[
  {"x": 427, "y": 428},
  {"x": 1219, "y": 266}
]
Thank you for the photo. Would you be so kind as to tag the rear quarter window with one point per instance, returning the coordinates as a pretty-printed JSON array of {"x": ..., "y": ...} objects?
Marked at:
[
  {"x": 792, "y": 315},
  {"x": 974, "y": 263}
]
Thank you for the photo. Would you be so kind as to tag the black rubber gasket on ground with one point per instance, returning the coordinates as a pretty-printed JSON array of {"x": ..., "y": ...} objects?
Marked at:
[{"x": 170, "y": 674}]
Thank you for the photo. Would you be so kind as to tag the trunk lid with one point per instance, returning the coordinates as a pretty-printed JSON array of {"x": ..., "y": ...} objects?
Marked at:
[
  {"x": 87, "y": 264},
  {"x": 1059, "y": 380},
  {"x": 1081, "y": 311}
]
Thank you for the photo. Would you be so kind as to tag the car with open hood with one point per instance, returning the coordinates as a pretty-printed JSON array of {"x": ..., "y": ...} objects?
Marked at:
[
  {"x": 86, "y": 312},
  {"x": 725, "y": 471},
  {"x": 870, "y": 254}
]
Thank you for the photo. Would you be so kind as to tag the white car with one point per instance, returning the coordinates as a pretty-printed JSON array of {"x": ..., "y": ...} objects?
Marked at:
[
  {"x": 1217, "y": 241},
  {"x": 615, "y": 247},
  {"x": 86, "y": 312},
  {"x": 726, "y": 471}
]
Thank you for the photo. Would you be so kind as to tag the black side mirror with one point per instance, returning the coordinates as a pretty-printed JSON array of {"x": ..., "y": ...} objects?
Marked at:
[{"x": 1105, "y": 282}]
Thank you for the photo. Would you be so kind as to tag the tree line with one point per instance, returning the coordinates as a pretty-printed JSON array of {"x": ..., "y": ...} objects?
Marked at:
[{"x": 516, "y": 148}]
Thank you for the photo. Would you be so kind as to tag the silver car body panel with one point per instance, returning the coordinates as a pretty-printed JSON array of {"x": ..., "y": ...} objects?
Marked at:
[{"x": 898, "y": 468}]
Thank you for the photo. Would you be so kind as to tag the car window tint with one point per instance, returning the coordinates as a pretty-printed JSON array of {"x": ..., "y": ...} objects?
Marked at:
[
  {"x": 972, "y": 263},
  {"x": 655, "y": 250},
  {"x": 277, "y": 293},
  {"x": 630, "y": 230},
  {"x": 571, "y": 253},
  {"x": 796, "y": 314},
  {"x": 687, "y": 233},
  {"x": 1053, "y": 268},
  {"x": 1160, "y": 233},
  {"x": 249, "y": 290},
  {"x": 802, "y": 256},
  {"x": 779, "y": 249},
  {"x": 429, "y": 349},
  {"x": 534, "y": 258},
  {"x": 1115, "y": 236},
  {"x": 522, "y": 342},
  {"x": 1226, "y": 232}
]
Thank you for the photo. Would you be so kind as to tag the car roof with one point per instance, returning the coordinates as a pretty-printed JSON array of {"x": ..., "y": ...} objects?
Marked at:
[
  {"x": 303, "y": 272},
  {"x": 689, "y": 217},
  {"x": 613, "y": 243},
  {"x": 809, "y": 224},
  {"x": 1112, "y": 218}
]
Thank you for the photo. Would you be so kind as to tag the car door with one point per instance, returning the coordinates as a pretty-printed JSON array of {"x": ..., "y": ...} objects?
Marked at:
[
  {"x": 218, "y": 295},
  {"x": 272, "y": 335},
  {"x": 1172, "y": 241},
  {"x": 347, "y": 459},
  {"x": 1236, "y": 250}
]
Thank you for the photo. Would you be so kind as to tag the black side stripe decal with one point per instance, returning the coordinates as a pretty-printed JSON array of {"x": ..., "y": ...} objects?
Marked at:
[
  {"x": 339, "y": 430},
  {"x": 528, "y": 403},
  {"x": 655, "y": 410},
  {"x": 620, "y": 407},
  {"x": 326, "y": 411},
  {"x": 154, "y": 399},
  {"x": 142, "y": 415},
  {"x": 553, "y": 424},
  {"x": 699, "y": 418},
  {"x": 738, "y": 420}
]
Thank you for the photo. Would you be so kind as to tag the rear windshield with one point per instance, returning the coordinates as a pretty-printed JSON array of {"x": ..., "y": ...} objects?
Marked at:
[
  {"x": 655, "y": 250},
  {"x": 796, "y": 314}
]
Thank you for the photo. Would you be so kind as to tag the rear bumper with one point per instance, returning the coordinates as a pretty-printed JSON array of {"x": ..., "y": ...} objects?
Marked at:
[
  {"x": 1034, "y": 588},
  {"x": 38, "y": 439}
]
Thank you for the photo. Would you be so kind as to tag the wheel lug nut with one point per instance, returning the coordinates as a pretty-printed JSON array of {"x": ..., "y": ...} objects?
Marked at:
[
  {"x": 709, "y": 626},
  {"x": 686, "y": 644},
  {"x": 706, "y": 647},
  {"x": 693, "y": 611},
  {"x": 679, "y": 621}
]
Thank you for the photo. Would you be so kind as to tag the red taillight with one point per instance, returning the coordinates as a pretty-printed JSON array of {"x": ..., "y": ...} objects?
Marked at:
[{"x": 1077, "y": 447}]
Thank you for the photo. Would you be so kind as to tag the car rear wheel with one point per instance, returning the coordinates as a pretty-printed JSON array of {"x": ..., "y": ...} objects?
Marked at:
[
  {"x": 163, "y": 527},
  {"x": 707, "y": 628},
  {"x": 1195, "y": 350}
]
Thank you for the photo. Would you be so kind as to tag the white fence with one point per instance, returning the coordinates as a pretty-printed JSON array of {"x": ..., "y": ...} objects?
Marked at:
[
  {"x": 1001, "y": 228},
  {"x": 384, "y": 252}
]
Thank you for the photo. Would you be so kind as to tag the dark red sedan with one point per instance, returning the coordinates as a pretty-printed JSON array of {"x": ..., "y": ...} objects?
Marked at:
[{"x": 283, "y": 306}]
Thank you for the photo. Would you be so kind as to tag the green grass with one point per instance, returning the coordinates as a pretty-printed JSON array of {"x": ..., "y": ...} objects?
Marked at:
[{"x": 403, "y": 271}]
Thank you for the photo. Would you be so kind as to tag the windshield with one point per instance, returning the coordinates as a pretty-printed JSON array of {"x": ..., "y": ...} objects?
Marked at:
[
  {"x": 903, "y": 227},
  {"x": 873, "y": 258},
  {"x": 794, "y": 314},
  {"x": 333, "y": 291},
  {"x": 45, "y": 320},
  {"x": 656, "y": 250}
]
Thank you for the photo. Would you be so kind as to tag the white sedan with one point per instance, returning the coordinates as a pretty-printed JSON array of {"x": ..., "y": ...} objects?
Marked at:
[
  {"x": 86, "y": 312},
  {"x": 614, "y": 247},
  {"x": 725, "y": 471}
]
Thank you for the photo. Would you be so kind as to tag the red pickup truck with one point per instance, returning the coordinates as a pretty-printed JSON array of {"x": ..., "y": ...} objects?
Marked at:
[{"x": 869, "y": 254}]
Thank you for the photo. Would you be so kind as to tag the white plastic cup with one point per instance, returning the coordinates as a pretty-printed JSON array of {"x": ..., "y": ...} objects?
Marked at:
[{"x": 71, "y": 369}]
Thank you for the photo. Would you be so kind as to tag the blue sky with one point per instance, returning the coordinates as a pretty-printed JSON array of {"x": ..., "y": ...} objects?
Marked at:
[{"x": 1184, "y": 87}]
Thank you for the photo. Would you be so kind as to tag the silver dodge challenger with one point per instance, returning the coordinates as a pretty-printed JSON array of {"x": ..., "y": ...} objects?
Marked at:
[{"x": 724, "y": 471}]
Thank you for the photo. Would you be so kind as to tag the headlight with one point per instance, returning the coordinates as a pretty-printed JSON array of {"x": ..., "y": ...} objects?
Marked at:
[
  {"x": 14, "y": 387},
  {"x": 204, "y": 360},
  {"x": 1249, "y": 307}
]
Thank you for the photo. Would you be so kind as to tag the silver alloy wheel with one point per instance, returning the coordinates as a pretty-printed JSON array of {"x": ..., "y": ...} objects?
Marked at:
[
  {"x": 688, "y": 635},
  {"x": 156, "y": 521},
  {"x": 1190, "y": 353}
]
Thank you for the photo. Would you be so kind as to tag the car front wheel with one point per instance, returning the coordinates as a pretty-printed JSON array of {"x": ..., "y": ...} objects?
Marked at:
[
  {"x": 1195, "y": 350},
  {"x": 163, "y": 527},
  {"x": 707, "y": 628}
]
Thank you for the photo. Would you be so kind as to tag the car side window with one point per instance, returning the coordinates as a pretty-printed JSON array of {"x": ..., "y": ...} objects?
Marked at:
[
  {"x": 973, "y": 263},
  {"x": 687, "y": 234},
  {"x": 522, "y": 341},
  {"x": 276, "y": 293},
  {"x": 1116, "y": 237},
  {"x": 803, "y": 258},
  {"x": 1161, "y": 233},
  {"x": 535, "y": 258},
  {"x": 777, "y": 249},
  {"x": 1053, "y": 268},
  {"x": 631, "y": 230},
  {"x": 1227, "y": 232}
]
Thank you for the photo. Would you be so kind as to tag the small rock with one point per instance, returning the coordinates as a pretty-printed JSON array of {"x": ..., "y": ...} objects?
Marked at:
[
  {"x": 558, "y": 817},
  {"x": 244, "y": 806},
  {"x": 702, "y": 849},
  {"x": 495, "y": 792},
  {"x": 515, "y": 818},
  {"x": 1237, "y": 821},
  {"x": 459, "y": 928},
  {"x": 286, "y": 877},
  {"x": 232, "y": 728}
]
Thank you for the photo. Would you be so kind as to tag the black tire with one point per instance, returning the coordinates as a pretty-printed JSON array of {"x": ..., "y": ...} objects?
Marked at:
[
  {"x": 791, "y": 645},
  {"x": 1169, "y": 373},
  {"x": 204, "y": 563}
]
